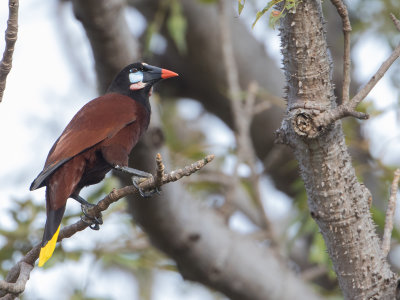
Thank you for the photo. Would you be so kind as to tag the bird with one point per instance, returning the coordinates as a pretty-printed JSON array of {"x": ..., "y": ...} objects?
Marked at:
[{"x": 98, "y": 138}]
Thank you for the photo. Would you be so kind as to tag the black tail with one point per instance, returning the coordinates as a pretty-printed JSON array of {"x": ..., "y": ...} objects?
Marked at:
[{"x": 50, "y": 234}]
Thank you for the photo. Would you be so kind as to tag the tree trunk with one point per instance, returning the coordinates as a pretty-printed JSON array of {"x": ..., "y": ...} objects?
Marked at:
[{"x": 337, "y": 201}]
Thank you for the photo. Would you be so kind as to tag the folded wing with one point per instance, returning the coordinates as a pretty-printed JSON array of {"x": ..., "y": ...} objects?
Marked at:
[{"x": 99, "y": 119}]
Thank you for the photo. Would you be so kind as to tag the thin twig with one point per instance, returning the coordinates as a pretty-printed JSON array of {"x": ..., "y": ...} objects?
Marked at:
[
  {"x": 250, "y": 101},
  {"x": 261, "y": 106},
  {"x": 342, "y": 10},
  {"x": 242, "y": 111},
  {"x": 395, "y": 21},
  {"x": 387, "y": 233},
  {"x": 231, "y": 70},
  {"x": 348, "y": 109},
  {"x": 18, "y": 275},
  {"x": 375, "y": 79},
  {"x": 11, "y": 38},
  {"x": 160, "y": 170}
]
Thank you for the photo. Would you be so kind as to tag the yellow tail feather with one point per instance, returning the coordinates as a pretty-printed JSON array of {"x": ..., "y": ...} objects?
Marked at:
[{"x": 47, "y": 251}]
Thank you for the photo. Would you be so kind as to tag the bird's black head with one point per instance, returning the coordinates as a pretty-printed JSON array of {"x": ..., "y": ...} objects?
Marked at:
[{"x": 136, "y": 81}]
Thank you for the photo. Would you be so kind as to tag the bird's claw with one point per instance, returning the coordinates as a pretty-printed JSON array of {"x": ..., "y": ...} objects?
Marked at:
[
  {"x": 93, "y": 222},
  {"x": 145, "y": 194}
]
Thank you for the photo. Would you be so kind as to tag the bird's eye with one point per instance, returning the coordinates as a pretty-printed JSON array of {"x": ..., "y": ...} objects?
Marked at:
[{"x": 134, "y": 70}]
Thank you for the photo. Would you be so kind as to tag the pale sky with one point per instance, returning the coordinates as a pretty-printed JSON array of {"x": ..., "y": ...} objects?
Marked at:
[{"x": 43, "y": 94}]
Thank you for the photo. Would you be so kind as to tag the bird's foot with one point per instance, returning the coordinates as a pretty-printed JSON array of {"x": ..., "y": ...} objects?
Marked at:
[
  {"x": 132, "y": 171},
  {"x": 137, "y": 177},
  {"x": 137, "y": 180},
  {"x": 93, "y": 222}
]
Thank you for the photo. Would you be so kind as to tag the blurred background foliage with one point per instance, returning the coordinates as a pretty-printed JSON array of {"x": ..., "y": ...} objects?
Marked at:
[{"x": 130, "y": 250}]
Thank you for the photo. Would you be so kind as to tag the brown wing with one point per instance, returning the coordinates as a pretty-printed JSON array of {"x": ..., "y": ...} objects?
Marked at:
[{"x": 99, "y": 119}]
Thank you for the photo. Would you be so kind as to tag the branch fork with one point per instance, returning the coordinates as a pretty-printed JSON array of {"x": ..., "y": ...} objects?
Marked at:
[{"x": 348, "y": 106}]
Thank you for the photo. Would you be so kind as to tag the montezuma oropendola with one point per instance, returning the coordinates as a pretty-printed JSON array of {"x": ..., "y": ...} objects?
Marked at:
[{"x": 97, "y": 139}]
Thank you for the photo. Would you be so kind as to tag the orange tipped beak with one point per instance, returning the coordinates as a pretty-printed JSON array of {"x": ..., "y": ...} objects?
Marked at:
[{"x": 167, "y": 74}]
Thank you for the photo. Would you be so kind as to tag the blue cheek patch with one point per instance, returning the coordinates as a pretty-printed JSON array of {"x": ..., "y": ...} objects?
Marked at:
[{"x": 136, "y": 77}]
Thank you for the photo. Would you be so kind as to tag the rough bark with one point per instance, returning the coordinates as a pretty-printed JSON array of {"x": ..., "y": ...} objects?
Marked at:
[
  {"x": 337, "y": 201},
  {"x": 11, "y": 38}
]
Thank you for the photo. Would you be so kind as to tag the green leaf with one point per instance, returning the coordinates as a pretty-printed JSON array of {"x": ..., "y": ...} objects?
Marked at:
[
  {"x": 264, "y": 10},
  {"x": 240, "y": 5},
  {"x": 289, "y": 5},
  {"x": 177, "y": 26}
]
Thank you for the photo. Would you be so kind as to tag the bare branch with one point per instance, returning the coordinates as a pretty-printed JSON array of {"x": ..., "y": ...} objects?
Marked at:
[
  {"x": 348, "y": 109},
  {"x": 148, "y": 184},
  {"x": 160, "y": 170},
  {"x": 19, "y": 286},
  {"x": 250, "y": 100},
  {"x": 231, "y": 70},
  {"x": 11, "y": 38},
  {"x": 19, "y": 275},
  {"x": 395, "y": 21},
  {"x": 260, "y": 107},
  {"x": 243, "y": 111},
  {"x": 342, "y": 10},
  {"x": 375, "y": 79},
  {"x": 387, "y": 234}
]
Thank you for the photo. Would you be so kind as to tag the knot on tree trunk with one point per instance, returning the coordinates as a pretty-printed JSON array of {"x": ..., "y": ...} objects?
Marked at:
[{"x": 302, "y": 122}]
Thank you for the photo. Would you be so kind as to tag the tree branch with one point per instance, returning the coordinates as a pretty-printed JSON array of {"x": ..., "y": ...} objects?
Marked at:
[
  {"x": 387, "y": 233},
  {"x": 19, "y": 275},
  {"x": 11, "y": 38},
  {"x": 396, "y": 22},
  {"x": 18, "y": 287},
  {"x": 349, "y": 108},
  {"x": 338, "y": 202},
  {"x": 242, "y": 113},
  {"x": 342, "y": 10}
]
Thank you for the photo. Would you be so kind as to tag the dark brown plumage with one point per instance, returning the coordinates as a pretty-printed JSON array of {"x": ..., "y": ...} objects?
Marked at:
[{"x": 98, "y": 138}]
